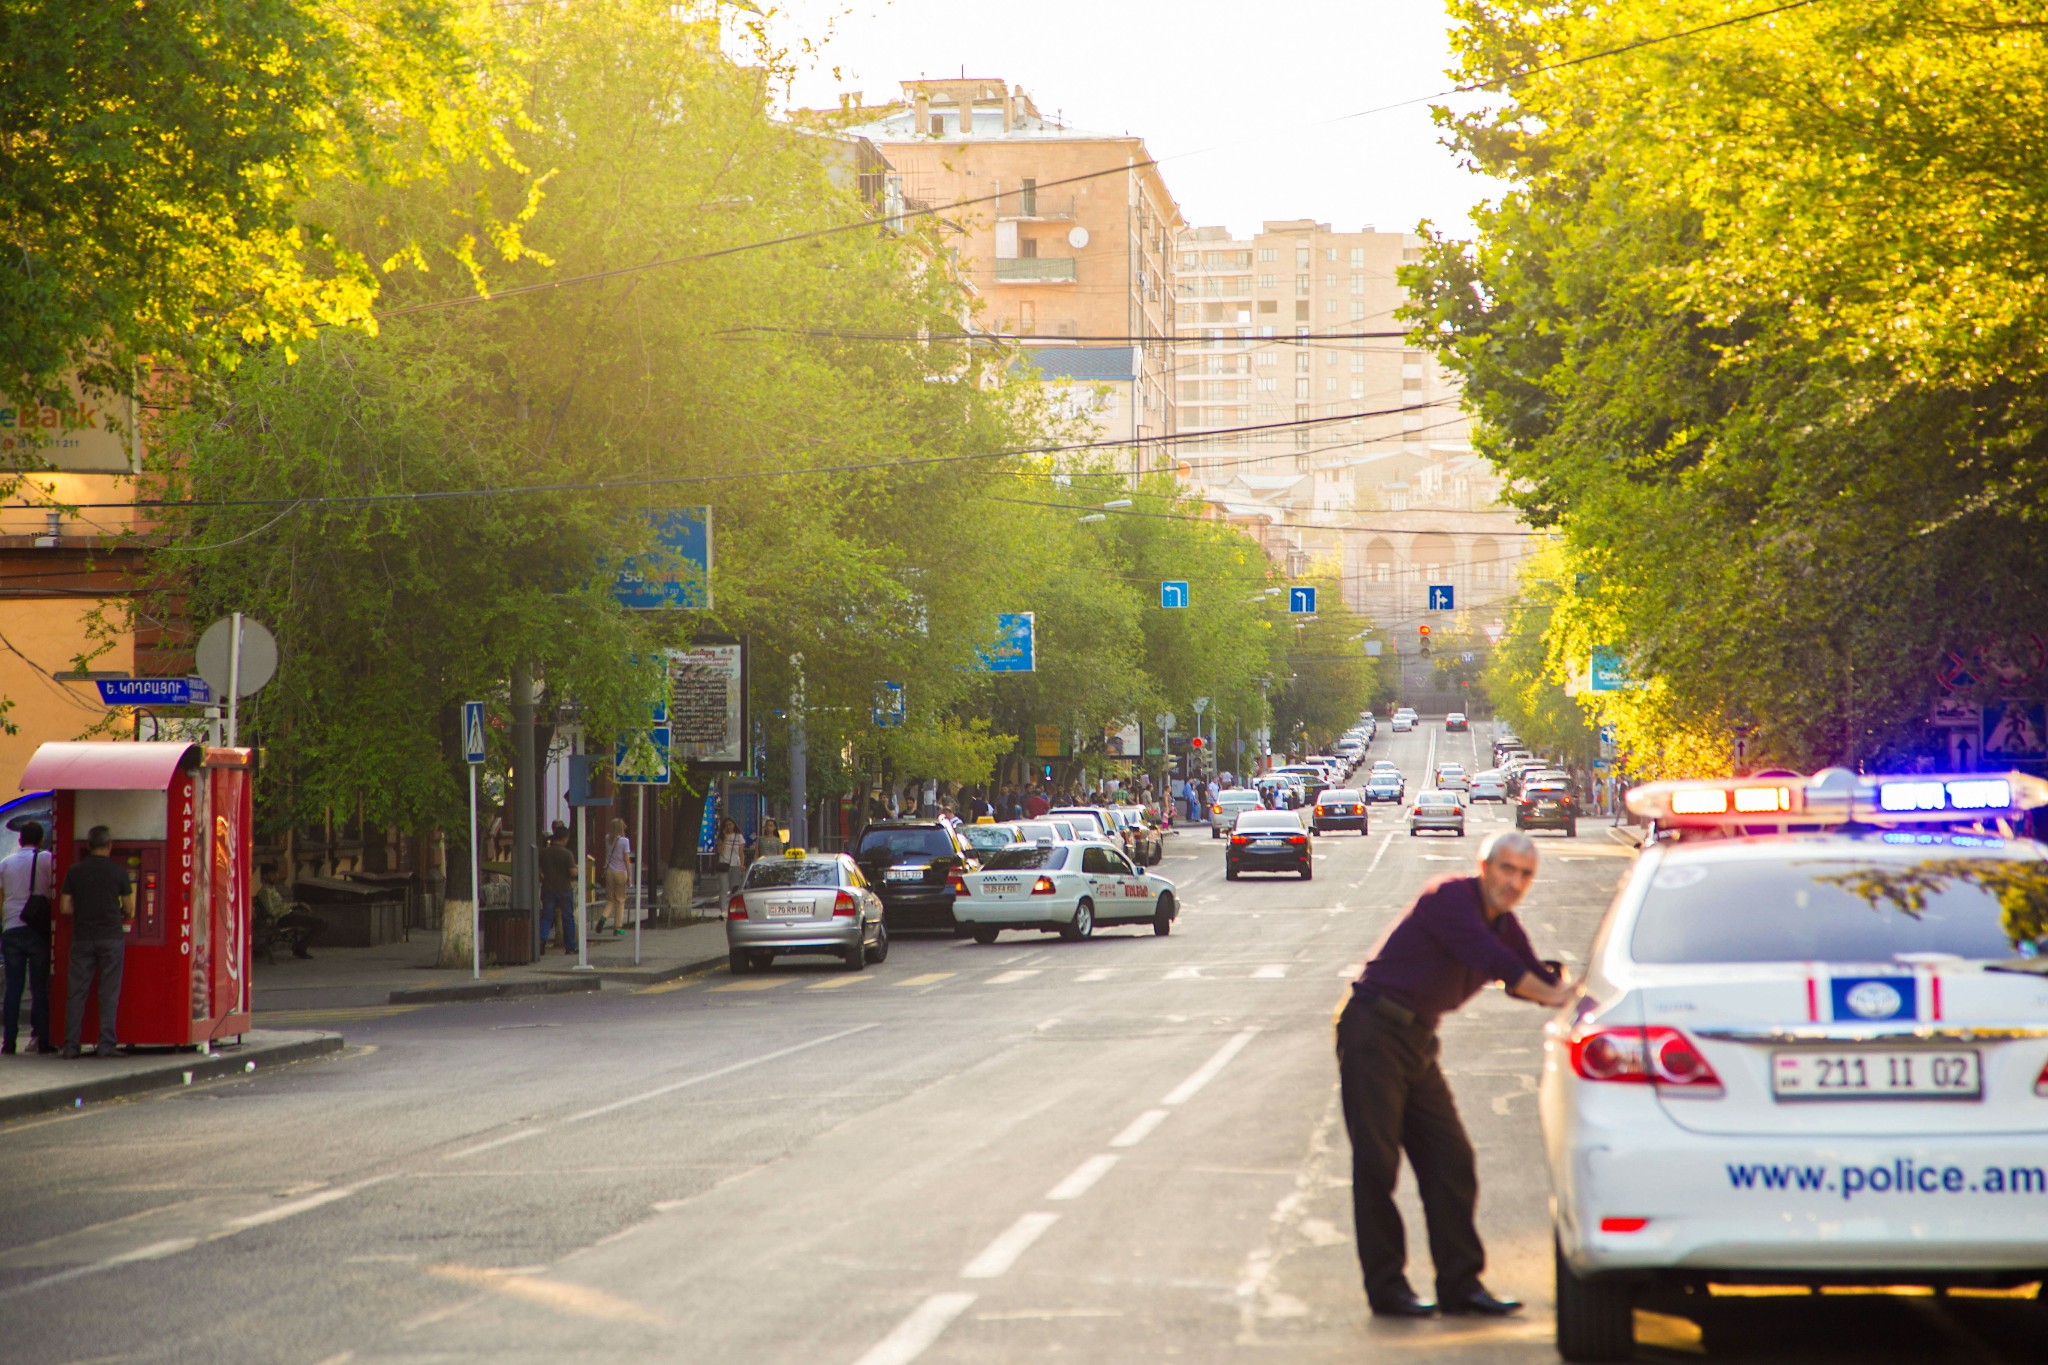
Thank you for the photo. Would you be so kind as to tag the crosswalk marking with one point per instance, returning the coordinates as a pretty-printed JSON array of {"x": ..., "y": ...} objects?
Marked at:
[
  {"x": 1184, "y": 974},
  {"x": 1006, "y": 978},
  {"x": 756, "y": 984},
  {"x": 834, "y": 983},
  {"x": 925, "y": 980},
  {"x": 1270, "y": 972}
]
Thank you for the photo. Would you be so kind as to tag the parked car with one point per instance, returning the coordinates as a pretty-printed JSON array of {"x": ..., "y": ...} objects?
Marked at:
[
  {"x": 1269, "y": 841},
  {"x": 1339, "y": 808},
  {"x": 1142, "y": 840},
  {"x": 804, "y": 903},
  {"x": 915, "y": 867},
  {"x": 985, "y": 839},
  {"x": 1437, "y": 810},
  {"x": 1069, "y": 889}
]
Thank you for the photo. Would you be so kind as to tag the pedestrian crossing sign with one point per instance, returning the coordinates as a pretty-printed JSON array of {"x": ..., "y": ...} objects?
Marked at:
[{"x": 473, "y": 731}]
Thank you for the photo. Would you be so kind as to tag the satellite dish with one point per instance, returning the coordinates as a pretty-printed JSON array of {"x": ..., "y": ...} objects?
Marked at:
[{"x": 1077, "y": 237}]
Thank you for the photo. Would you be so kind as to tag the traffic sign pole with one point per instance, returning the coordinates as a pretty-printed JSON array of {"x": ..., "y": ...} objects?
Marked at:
[
  {"x": 476, "y": 890},
  {"x": 234, "y": 676}
]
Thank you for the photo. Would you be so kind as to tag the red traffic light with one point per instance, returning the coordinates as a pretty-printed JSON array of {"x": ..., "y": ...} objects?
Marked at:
[
  {"x": 1196, "y": 742},
  {"x": 1423, "y": 629}
]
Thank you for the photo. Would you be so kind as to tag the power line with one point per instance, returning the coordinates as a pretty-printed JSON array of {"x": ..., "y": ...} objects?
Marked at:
[{"x": 1038, "y": 340}]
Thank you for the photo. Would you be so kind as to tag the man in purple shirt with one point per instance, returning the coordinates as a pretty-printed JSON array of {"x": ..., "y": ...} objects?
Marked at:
[{"x": 1460, "y": 934}]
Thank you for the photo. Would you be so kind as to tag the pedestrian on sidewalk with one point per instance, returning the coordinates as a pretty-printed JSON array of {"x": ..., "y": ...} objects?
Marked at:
[
  {"x": 1460, "y": 933},
  {"x": 296, "y": 927},
  {"x": 618, "y": 871},
  {"x": 25, "y": 874},
  {"x": 732, "y": 854},
  {"x": 770, "y": 842},
  {"x": 558, "y": 888},
  {"x": 99, "y": 900}
]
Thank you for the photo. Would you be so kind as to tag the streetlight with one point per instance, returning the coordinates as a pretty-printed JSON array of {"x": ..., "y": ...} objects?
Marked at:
[{"x": 1094, "y": 516}]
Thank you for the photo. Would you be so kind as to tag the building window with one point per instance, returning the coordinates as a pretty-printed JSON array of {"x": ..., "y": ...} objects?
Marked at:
[
  {"x": 1329, "y": 386},
  {"x": 1329, "y": 253},
  {"x": 1330, "y": 307},
  {"x": 1358, "y": 388},
  {"x": 1357, "y": 284},
  {"x": 1301, "y": 314},
  {"x": 1411, "y": 385},
  {"x": 1269, "y": 305},
  {"x": 1358, "y": 310},
  {"x": 1301, "y": 258},
  {"x": 1269, "y": 255},
  {"x": 1302, "y": 360},
  {"x": 1301, "y": 284},
  {"x": 1358, "y": 362},
  {"x": 1269, "y": 281},
  {"x": 1027, "y": 317},
  {"x": 1190, "y": 260},
  {"x": 1330, "y": 280},
  {"x": 1301, "y": 388},
  {"x": 1358, "y": 255},
  {"x": 1269, "y": 383},
  {"x": 1027, "y": 247}
]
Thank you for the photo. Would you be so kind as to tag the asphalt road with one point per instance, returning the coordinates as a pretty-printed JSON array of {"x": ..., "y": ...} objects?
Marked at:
[{"x": 1121, "y": 1150}]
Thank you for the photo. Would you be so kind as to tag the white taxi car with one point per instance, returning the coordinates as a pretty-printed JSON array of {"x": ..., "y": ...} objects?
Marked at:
[
  {"x": 1811, "y": 1049},
  {"x": 1071, "y": 889}
]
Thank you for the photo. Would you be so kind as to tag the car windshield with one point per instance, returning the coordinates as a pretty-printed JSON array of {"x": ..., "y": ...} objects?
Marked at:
[
  {"x": 906, "y": 844},
  {"x": 792, "y": 872},
  {"x": 1259, "y": 821},
  {"x": 1050, "y": 858},
  {"x": 1337, "y": 796},
  {"x": 987, "y": 838},
  {"x": 1843, "y": 908}
]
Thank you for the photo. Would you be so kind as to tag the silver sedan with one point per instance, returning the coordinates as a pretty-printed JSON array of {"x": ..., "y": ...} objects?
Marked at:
[
  {"x": 804, "y": 903},
  {"x": 1439, "y": 810}
]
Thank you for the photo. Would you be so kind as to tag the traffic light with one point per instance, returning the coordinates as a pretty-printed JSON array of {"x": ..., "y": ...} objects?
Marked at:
[
  {"x": 1424, "y": 630},
  {"x": 1196, "y": 742}
]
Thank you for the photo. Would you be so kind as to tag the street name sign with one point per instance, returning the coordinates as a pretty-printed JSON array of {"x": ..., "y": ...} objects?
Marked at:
[{"x": 154, "y": 691}]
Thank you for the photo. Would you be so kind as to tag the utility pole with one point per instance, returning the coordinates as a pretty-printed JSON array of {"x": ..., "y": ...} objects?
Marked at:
[
  {"x": 525, "y": 805},
  {"x": 799, "y": 761}
]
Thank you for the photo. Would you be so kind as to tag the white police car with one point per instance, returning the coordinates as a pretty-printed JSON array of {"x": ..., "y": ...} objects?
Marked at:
[
  {"x": 1071, "y": 889},
  {"x": 1812, "y": 1049}
]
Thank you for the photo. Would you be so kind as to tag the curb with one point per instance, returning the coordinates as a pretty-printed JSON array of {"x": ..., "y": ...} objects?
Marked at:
[
  {"x": 496, "y": 990},
  {"x": 206, "y": 1068},
  {"x": 654, "y": 976}
]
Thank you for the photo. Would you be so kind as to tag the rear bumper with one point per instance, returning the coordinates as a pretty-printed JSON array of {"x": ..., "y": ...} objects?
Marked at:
[
  {"x": 1267, "y": 862},
  {"x": 834, "y": 935},
  {"x": 1024, "y": 912},
  {"x": 1330, "y": 822},
  {"x": 921, "y": 909},
  {"x": 1446, "y": 826},
  {"x": 1545, "y": 821}
]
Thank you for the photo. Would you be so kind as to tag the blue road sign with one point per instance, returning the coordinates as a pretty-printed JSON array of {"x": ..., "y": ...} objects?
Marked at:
[
  {"x": 1016, "y": 647},
  {"x": 2014, "y": 732},
  {"x": 888, "y": 712},
  {"x": 678, "y": 576},
  {"x": 1301, "y": 601},
  {"x": 1173, "y": 593},
  {"x": 473, "y": 731},
  {"x": 1607, "y": 672},
  {"x": 155, "y": 691},
  {"x": 641, "y": 758},
  {"x": 1442, "y": 597}
]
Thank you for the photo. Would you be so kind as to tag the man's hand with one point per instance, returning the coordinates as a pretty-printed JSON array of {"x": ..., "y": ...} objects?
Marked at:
[{"x": 1534, "y": 988}]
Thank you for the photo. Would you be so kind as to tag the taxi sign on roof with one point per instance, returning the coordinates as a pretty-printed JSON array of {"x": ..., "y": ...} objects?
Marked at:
[{"x": 793, "y": 853}]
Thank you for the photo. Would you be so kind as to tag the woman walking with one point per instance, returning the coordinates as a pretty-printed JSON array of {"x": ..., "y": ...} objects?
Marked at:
[
  {"x": 732, "y": 854},
  {"x": 618, "y": 873}
]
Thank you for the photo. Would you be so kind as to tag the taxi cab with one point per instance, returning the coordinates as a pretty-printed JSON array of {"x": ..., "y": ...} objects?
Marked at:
[
  {"x": 1811, "y": 1049},
  {"x": 1071, "y": 889},
  {"x": 804, "y": 903}
]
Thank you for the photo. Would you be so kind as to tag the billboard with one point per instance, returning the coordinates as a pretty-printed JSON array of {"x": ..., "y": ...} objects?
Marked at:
[
  {"x": 708, "y": 704},
  {"x": 678, "y": 577}
]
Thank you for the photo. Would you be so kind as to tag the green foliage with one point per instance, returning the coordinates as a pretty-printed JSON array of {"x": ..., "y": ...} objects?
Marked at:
[
  {"x": 1759, "y": 328},
  {"x": 1324, "y": 677}
]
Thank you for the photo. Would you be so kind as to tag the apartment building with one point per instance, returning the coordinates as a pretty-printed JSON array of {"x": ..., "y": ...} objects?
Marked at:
[
  {"x": 1371, "y": 466},
  {"x": 1065, "y": 234}
]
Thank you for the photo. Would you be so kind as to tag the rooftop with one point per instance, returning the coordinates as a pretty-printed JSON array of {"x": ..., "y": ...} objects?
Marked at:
[{"x": 1090, "y": 364}]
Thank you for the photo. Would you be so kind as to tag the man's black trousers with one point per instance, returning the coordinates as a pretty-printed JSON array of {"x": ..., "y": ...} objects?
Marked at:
[{"x": 1396, "y": 1100}]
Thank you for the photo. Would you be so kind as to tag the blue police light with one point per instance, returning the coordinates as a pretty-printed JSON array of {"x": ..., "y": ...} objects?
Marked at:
[{"x": 1973, "y": 794}]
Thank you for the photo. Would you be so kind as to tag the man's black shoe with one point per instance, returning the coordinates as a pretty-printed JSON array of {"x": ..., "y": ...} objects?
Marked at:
[
  {"x": 1406, "y": 1306},
  {"x": 1480, "y": 1304}
]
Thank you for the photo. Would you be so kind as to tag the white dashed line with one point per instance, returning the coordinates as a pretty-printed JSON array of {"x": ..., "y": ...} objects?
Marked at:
[
  {"x": 1083, "y": 1178},
  {"x": 1005, "y": 978},
  {"x": 915, "y": 1334},
  {"x": 1350, "y": 970},
  {"x": 998, "y": 1256},
  {"x": 704, "y": 1076},
  {"x": 1270, "y": 972},
  {"x": 1208, "y": 1070},
  {"x": 1139, "y": 1128},
  {"x": 495, "y": 1143},
  {"x": 1098, "y": 974}
]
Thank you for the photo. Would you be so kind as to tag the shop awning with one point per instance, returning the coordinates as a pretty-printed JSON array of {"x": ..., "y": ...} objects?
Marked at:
[{"x": 107, "y": 766}]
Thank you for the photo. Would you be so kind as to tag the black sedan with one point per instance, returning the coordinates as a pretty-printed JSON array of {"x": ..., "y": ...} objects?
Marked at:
[
  {"x": 1547, "y": 805},
  {"x": 915, "y": 866},
  {"x": 1269, "y": 841},
  {"x": 1339, "y": 808}
]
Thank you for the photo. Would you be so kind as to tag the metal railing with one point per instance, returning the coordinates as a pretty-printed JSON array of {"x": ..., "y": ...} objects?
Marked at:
[{"x": 1035, "y": 270}]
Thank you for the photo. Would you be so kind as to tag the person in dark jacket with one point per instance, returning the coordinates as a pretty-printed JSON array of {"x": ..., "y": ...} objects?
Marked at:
[
  {"x": 1460, "y": 934},
  {"x": 99, "y": 900}
]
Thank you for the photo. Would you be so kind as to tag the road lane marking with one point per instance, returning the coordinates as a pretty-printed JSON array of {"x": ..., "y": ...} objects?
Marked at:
[
  {"x": 1083, "y": 1177},
  {"x": 1006, "y": 978},
  {"x": 704, "y": 1076},
  {"x": 927, "y": 979},
  {"x": 915, "y": 1334},
  {"x": 299, "y": 1206},
  {"x": 1350, "y": 970},
  {"x": 1139, "y": 1128},
  {"x": 1374, "y": 865},
  {"x": 1012, "y": 1242},
  {"x": 1184, "y": 974},
  {"x": 756, "y": 984},
  {"x": 834, "y": 983},
  {"x": 1272, "y": 971},
  {"x": 495, "y": 1143},
  {"x": 578, "y": 1300},
  {"x": 1095, "y": 974},
  {"x": 1208, "y": 1070}
]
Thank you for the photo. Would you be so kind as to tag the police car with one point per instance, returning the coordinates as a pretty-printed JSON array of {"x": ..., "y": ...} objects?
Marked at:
[
  {"x": 1811, "y": 1049},
  {"x": 1071, "y": 889}
]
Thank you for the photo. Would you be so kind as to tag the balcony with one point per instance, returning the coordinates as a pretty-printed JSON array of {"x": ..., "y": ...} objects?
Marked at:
[
  {"x": 1035, "y": 270},
  {"x": 1029, "y": 206}
]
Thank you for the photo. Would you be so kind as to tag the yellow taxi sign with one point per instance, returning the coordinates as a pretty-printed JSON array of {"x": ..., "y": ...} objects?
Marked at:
[
  {"x": 793, "y": 853},
  {"x": 984, "y": 819}
]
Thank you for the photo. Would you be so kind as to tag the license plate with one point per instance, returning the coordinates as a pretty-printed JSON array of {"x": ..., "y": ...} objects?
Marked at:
[
  {"x": 905, "y": 874},
  {"x": 1265, "y": 843},
  {"x": 1870, "y": 1074},
  {"x": 788, "y": 910},
  {"x": 1007, "y": 886}
]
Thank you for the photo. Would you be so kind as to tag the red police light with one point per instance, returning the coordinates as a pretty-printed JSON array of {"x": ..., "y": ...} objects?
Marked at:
[{"x": 1196, "y": 742}]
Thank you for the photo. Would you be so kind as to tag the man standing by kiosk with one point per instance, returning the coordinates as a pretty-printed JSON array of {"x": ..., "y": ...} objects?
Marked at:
[
  {"x": 100, "y": 902},
  {"x": 1460, "y": 933}
]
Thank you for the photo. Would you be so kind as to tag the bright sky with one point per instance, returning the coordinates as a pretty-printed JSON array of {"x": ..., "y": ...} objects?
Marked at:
[{"x": 1243, "y": 102}]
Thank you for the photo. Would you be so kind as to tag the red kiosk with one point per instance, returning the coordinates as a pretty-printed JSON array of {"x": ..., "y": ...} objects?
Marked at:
[{"x": 180, "y": 817}]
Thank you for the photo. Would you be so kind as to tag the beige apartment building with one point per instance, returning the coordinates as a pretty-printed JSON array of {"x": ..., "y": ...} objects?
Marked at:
[
  {"x": 1297, "y": 324},
  {"x": 1065, "y": 234}
]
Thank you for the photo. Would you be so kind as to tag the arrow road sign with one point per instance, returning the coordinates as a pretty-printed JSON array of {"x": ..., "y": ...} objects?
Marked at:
[
  {"x": 1173, "y": 593},
  {"x": 473, "y": 731},
  {"x": 1301, "y": 601},
  {"x": 1442, "y": 597}
]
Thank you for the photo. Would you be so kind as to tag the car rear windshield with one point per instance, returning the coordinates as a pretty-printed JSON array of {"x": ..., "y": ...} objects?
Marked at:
[
  {"x": 1843, "y": 909},
  {"x": 792, "y": 872},
  {"x": 1027, "y": 859},
  {"x": 1085, "y": 820},
  {"x": 906, "y": 843},
  {"x": 1337, "y": 796},
  {"x": 1435, "y": 799},
  {"x": 1270, "y": 820},
  {"x": 1237, "y": 798},
  {"x": 988, "y": 837}
]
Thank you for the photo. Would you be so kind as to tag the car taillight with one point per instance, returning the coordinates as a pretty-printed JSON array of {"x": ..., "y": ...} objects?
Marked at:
[
  {"x": 1239, "y": 839},
  {"x": 957, "y": 884},
  {"x": 736, "y": 908},
  {"x": 1526, "y": 801},
  {"x": 2041, "y": 1082},
  {"x": 1623, "y": 1224},
  {"x": 1215, "y": 810},
  {"x": 1043, "y": 887},
  {"x": 1297, "y": 838},
  {"x": 1657, "y": 1055},
  {"x": 845, "y": 906}
]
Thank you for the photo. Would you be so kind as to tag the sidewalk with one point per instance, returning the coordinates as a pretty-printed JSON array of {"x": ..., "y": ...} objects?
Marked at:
[
  {"x": 407, "y": 973},
  {"x": 38, "y": 1083}
]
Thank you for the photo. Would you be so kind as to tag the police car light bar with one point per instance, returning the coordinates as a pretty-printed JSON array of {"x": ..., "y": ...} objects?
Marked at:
[{"x": 1838, "y": 797}]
